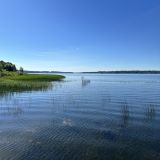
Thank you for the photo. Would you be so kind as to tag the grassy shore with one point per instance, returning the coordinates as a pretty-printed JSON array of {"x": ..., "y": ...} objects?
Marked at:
[
  {"x": 12, "y": 81},
  {"x": 35, "y": 77}
]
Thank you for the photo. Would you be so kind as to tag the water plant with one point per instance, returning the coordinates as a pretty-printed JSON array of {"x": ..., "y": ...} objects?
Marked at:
[{"x": 12, "y": 81}]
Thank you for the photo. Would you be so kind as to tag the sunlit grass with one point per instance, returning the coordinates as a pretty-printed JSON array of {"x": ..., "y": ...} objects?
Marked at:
[
  {"x": 27, "y": 82},
  {"x": 13, "y": 85},
  {"x": 33, "y": 77}
]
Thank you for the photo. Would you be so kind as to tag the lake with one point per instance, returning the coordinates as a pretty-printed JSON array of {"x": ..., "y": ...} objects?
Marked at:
[{"x": 102, "y": 117}]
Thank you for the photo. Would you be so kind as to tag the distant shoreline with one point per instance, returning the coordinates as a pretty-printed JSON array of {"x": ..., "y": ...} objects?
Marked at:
[
  {"x": 103, "y": 72},
  {"x": 46, "y": 72},
  {"x": 125, "y": 72}
]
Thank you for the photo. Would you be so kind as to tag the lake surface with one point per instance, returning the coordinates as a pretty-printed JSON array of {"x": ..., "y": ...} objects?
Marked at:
[{"x": 110, "y": 117}]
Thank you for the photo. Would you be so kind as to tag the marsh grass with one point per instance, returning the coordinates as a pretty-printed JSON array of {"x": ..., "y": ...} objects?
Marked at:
[
  {"x": 7, "y": 74},
  {"x": 13, "y": 82},
  {"x": 12, "y": 85},
  {"x": 34, "y": 77}
]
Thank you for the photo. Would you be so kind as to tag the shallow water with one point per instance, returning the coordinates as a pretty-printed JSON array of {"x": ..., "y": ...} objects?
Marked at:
[{"x": 110, "y": 117}]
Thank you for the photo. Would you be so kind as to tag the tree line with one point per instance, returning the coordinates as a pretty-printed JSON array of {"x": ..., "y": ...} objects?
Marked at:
[{"x": 7, "y": 66}]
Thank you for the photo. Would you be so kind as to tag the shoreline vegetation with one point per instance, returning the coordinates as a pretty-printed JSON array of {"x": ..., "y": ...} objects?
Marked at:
[{"x": 14, "y": 80}]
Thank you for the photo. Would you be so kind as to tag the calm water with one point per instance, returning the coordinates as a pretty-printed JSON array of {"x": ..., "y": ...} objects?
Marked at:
[{"x": 110, "y": 117}]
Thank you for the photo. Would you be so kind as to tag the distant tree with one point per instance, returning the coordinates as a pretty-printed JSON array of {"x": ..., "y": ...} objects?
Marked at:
[
  {"x": 21, "y": 70},
  {"x": 2, "y": 63},
  {"x": 1, "y": 67}
]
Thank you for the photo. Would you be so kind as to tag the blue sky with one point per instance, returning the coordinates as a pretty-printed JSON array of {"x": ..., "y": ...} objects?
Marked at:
[{"x": 80, "y": 35}]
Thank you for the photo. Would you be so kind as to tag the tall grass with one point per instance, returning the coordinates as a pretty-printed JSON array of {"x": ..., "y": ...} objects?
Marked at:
[
  {"x": 7, "y": 74},
  {"x": 12, "y": 85},
  {"x": 34, "y": 77},
  {"x": 12, "y": 81}
]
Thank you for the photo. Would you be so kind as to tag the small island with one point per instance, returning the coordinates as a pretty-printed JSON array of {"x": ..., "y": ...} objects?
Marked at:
[{"x": 12, "y": 79}]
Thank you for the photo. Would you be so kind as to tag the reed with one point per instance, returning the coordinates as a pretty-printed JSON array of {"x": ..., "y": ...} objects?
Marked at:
[
  {"x": 12, "y": 85},
  {"x": 34, "y": 77},
  {"x": 27, "y": 82}
]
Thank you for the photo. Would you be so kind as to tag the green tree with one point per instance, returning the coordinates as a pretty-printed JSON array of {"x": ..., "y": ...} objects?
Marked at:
[
  {"x": 1, "y": 67},
  {"x": 21, "y": 70},
  {"x": 7, "y": 66}
]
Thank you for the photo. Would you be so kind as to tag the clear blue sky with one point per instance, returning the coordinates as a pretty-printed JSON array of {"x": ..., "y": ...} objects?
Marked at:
[{"x": 80, "y": 35}]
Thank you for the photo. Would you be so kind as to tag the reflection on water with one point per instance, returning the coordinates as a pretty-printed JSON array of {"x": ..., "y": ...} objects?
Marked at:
[
  {"x": 6, "y": 94},
  {"x": 150, "y": 112},
  {"x": 125, "y": 115},
  {"x": 85, "y": 82},
  {"x": 15, "y": 111},
  {"x": 8, "y": 89},
  {"x": 109, "y": 119},
  {"x": 67, "y": 122}
]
